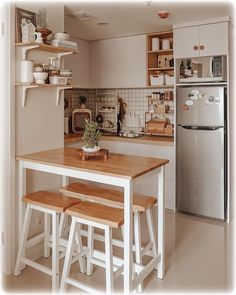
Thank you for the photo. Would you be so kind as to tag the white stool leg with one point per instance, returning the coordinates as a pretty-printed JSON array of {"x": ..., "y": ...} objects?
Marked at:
[
  {"x": 23, "y": 240},
  {"x": 55, "y": 252},
  {"x": 61, "y": 224},
  {"x": 151, "y": 231},
  {"x": 80, "y": 247},
  {"x": 138, "y": 245},
  {"x": 109, "y": 260},
  {"x": 67, "y": 263},
  {"x": 90, "y": 252},
  {"x": 47, "y": 235}
]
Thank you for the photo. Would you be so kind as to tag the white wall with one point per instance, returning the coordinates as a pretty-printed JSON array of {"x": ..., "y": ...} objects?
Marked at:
[
  {"x": 38, "y": 126},
  {"x": 7, "y": 135},
  {"x": 118, "y": 62},
  {"x": 79, "y": 64}
]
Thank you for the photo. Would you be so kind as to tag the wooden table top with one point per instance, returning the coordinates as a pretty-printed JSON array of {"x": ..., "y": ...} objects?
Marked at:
[{"x": 119, "y": 165}]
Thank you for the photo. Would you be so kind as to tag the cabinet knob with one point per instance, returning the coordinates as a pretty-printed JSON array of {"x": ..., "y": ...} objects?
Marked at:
[
  {"x": 195, "y": 47},
  {"x": 202, "y": 47}
]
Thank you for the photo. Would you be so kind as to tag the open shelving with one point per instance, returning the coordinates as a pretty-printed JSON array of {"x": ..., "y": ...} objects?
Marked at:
[
  {"x": 158, "y": 61},
  {"x": 59, "y": 52}
]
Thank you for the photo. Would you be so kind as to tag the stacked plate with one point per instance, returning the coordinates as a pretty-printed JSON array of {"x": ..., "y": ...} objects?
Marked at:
[{"x": 61, "y": 40}]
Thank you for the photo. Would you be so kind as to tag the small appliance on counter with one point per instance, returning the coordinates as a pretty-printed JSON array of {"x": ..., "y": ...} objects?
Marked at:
[{"x": 78, "y": 119}]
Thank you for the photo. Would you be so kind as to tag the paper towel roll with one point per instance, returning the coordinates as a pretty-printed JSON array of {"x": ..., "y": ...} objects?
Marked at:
[
  {"x": 26, "y": 71},
  {"x": 155, "y": 44}
]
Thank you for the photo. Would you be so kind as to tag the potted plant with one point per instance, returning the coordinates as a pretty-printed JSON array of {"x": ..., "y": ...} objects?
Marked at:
[
  {"x": 82, "y": 101},
  {"x": 91, "y": 136}
]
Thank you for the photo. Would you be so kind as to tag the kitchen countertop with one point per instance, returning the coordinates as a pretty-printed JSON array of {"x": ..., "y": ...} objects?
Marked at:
[{"x": 153, "y": 140}]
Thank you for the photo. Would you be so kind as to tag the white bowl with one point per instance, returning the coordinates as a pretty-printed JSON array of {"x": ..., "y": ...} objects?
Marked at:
[
  {"x": 91, "y": 150},
  {"x": 61, "y": 36},
  {"x": 40, "y": 77}
]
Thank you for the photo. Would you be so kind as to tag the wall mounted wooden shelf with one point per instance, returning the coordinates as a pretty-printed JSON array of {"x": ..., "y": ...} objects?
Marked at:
[{"x": 59, "y": 87}]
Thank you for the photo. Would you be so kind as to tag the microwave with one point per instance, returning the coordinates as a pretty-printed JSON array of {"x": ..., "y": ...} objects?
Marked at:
[{"x": 207, "y": 69}]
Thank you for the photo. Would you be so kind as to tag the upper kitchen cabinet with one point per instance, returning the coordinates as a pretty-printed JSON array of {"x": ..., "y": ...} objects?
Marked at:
[
  {"x": 201, "y": 40},
  {"x": 118, "y": 62}
]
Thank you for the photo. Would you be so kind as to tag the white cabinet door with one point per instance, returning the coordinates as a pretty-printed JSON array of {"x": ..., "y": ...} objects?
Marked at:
[
  {"x": 118, "y": 62},
  {"x": 184, "y": 41},
  {"x": 214, "y": 38},
  {"x": 204, "y": 40}
]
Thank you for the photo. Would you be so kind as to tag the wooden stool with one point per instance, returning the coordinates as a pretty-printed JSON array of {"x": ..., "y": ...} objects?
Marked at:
[
  {"x": 113, "y": 197},
  {"x": 52, "y": 204},
  {"x": 93, "y": 215}
]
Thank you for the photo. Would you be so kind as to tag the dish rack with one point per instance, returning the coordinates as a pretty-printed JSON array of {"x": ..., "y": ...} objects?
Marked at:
[{"x": 107, "y": 109}]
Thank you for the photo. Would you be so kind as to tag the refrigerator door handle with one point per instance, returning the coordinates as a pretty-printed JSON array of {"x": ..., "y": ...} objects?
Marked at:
[{"x": 201, "y": 127}]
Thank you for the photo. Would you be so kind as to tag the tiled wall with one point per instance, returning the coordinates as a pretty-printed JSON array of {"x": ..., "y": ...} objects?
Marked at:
[{"x": 136, "y": 99}]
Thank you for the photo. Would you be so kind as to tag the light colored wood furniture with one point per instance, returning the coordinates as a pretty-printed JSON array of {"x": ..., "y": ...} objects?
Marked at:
[
  {"x": 45, "y": 47},
  {"x": 158, "y": 60},
  {"x": 58, "y": 51},
  {"x": 87, "y": 155},
  {"x": 113, "y": 197},
  {"x": 107, "y": 196},
  {"x": 99, "y": 216},
  {"x": 51, "y": 204},
  {"x": 119, "y": 170}
]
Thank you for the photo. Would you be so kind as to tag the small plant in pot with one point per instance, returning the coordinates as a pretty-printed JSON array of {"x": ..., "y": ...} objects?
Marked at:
[
  {"x": 82, "y": 101},
  {"x": 91, "y": 136}
]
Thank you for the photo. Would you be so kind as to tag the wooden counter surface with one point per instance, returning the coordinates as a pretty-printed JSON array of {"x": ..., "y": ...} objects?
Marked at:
[
  {"x": 118, "y": 165},
  {"x": 153, "y": 140}
]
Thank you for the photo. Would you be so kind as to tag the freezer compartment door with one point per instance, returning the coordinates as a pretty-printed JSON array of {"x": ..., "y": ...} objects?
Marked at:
[
  {"x": 200, "y": 106},
  {"x": 200, "y": 172}
]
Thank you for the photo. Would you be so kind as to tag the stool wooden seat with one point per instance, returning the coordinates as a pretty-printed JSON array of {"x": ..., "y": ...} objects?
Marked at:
[
  {"x": 50, "y": 200},
  {"x": 107, "y": 196},
  {"x": 92, "y": 215},
  {"x": 53, "y": 204},
  {"x": 112, "y": 217}
]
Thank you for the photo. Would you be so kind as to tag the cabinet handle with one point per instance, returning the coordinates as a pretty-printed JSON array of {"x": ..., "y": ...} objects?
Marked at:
[
  {"x": 202, "y": 47},
  {"x": 195, "y": 47}
]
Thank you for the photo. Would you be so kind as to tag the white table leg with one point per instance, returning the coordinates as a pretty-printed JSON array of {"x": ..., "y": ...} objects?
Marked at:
[
  {"x": 65, "y": 180},
  {"x": 161, "y": 224},
  {"x": 21, "y": 193},
  {"x": 128, "y": 234}
]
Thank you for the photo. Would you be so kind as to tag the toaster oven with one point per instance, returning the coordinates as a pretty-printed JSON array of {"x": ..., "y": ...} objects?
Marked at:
[{"x": 78, "y": 119}]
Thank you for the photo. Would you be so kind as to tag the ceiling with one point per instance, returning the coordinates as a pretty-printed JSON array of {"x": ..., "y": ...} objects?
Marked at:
[{"x": 136, "y": 17}]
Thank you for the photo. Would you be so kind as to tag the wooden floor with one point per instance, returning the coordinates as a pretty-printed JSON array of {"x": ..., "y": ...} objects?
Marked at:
[{"x": 198, "y": 259}]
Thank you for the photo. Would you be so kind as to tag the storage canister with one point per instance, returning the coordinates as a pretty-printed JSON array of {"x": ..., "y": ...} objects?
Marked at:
[
  {"x": 165, "y": 44},
  {"x": 155, "y": 44},
  {"x": 26, "y": 71}
]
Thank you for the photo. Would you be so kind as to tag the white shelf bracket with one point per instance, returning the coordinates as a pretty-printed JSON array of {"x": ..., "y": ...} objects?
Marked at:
[
  {"x": 60, "y": 55},
  {"x": 58, "y": 93},
  {"x": 26, "y": 48},
  {"x": 24, "y": 90}
]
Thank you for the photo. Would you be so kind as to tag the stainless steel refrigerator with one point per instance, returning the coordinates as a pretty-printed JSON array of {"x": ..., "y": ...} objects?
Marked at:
[{"x": 201, "y": 151}]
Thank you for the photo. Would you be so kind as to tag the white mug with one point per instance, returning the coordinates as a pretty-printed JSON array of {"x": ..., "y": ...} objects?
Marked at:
[{"x": 38, "y": 37}]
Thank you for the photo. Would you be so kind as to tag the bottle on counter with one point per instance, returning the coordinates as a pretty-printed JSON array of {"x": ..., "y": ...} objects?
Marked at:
[{"x": 182, "y": 68}]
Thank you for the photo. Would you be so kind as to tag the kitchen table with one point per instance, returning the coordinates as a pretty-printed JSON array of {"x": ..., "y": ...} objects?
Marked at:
[{"x": 118, "y": 170}]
